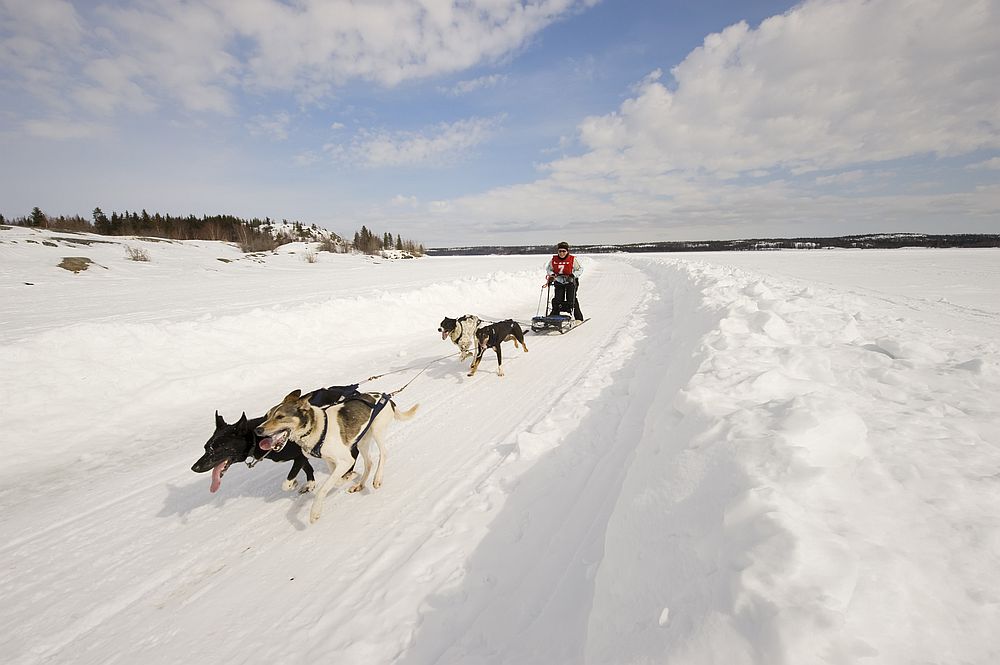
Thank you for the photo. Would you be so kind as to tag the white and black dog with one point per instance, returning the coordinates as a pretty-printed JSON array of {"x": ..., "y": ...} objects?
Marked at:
[
  {"x": 461, "y": 331},
  {"x": 492, "y": 336},
  {"x": 331, "y": 432}
]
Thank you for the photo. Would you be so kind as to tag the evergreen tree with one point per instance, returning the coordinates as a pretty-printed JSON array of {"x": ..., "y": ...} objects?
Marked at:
[
  {"x": 38, "y": 217},
  {"x": 102, "y": 224}
]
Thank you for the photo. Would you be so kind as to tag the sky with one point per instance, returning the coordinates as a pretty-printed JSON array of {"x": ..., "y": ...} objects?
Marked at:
[{"x": 510, "y": 122}]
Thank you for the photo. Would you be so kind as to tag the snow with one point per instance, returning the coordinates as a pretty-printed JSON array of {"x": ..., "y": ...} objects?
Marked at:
[{"x": 786, "y": 457}]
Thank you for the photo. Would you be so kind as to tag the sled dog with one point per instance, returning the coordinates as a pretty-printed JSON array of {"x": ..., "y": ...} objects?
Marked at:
[
  {"x": 492, "y": 336},
  {"x": 237, "y": 442},
  {"x": 330, "y": 433},
  {"x": 461, "y": 331}
]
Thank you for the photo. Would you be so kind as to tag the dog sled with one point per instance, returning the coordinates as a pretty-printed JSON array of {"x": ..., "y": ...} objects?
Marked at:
[{"x": 553, "y": 322}]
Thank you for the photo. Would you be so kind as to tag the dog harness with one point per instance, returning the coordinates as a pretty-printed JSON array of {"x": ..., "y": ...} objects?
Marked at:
[{"x": 317, "y": 450}]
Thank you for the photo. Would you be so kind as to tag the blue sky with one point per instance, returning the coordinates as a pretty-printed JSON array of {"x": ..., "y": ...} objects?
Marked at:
[{"x": 499, "y": 122}]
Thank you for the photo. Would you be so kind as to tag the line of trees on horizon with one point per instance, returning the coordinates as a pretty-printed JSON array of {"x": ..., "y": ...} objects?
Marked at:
[
  {"x": 252, "y": 235},
  {"x": 372, "y": 243}
]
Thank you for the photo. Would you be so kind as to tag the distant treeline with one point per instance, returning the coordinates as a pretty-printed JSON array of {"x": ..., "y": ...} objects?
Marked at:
[
  {"x": 372, "y": 243},
  {"x": 252, "y": 235},
  {"x": 868, "y": 241}
]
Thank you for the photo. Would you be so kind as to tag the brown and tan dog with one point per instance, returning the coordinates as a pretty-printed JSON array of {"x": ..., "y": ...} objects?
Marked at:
[{"x": 332, "y": 432}]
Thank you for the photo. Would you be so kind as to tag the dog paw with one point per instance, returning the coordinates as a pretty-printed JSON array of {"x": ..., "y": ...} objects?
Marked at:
[
  {"x": 354, "y": 488},
  {"x": 289, "y": 485},
  {"x": 376, "y": 484},
  {"x": 314, "y": 515},
  {"x": 308, "y": 487}
]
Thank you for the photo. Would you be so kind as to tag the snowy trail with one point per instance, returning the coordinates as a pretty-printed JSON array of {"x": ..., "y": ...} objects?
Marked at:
[
  {"x": 726, "y": 464},
  {"x": 158, "y": 551}
]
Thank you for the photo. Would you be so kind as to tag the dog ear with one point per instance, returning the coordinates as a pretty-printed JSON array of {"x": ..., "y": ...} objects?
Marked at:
[
  {"x": 219, "y": 420},
  {"x": 242, "y": 423},
  {"x": 292, "y": 396}
]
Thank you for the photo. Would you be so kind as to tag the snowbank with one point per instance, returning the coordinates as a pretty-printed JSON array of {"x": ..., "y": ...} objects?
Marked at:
[{"x": 822, "y": 489}]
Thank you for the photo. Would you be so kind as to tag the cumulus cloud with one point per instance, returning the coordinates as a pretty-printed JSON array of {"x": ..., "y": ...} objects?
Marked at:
[
  {"x": 830, "y": 85},
  {"x": 202, "y": 53},
  {"x": 445, "y": 143}
]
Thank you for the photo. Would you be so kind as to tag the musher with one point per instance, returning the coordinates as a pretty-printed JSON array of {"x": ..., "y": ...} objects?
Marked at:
[{"x": 563, "y": 272}]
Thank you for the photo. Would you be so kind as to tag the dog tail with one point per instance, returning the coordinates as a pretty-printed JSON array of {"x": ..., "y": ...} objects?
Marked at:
[{"x": 406, "y": 415}]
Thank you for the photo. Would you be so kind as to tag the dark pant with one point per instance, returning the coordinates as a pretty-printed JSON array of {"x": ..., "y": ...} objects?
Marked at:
[{"x": 566, "y": 300}]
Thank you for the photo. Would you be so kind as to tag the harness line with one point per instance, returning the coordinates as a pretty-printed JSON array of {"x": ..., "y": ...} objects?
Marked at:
[
  {"x": 396, "y": 371},
  {"x": 524, "y": 324},
  {"x": 377, "y": 407}
]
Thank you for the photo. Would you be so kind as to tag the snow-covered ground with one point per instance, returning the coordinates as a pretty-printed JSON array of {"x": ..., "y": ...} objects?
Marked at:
[{"x": 781, "y": 457}]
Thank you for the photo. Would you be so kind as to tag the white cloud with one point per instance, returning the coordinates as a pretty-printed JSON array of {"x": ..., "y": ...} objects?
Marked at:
[
  {"x": 832, "y": 84},
  {"x": 322, "y": 43},
  {"x": 39, "y": 42},
  {"x": 177, "y": 51},
  {"x": 203, "y": 52},
  {"x": 829, "y": 84},
  {"x": 441, "y": 144}
]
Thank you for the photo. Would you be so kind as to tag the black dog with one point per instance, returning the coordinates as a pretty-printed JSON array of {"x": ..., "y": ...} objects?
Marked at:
[
  {"x": 236, "y": 442},
  {"x": 492, "y": 336},
  {"x": 232, "y": 443}
]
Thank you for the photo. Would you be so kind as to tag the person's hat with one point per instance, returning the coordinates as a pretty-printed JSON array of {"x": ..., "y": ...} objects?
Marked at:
[{"x": 562, "y": 245}]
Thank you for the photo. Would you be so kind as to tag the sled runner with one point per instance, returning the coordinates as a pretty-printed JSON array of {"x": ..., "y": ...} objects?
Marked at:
[
  {"x": 560, "y": 322},
  {"x": 551, "y": 322}
]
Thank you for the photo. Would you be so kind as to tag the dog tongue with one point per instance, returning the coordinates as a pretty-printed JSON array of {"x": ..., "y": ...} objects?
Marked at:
[
  {"x": 217, "y": 476},
  {"x": 265, "y": 443},
  {"x": 444, "y": 335}
]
